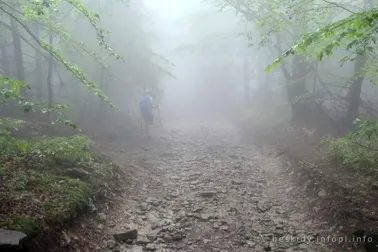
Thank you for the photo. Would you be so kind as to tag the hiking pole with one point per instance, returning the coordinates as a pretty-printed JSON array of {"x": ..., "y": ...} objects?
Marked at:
[
  {"x": 141, "y": 123},
  {"x": 158, "y": 109}
]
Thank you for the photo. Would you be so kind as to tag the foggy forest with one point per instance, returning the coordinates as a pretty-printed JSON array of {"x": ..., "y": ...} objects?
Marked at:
[{"x": 188, "y": 125}]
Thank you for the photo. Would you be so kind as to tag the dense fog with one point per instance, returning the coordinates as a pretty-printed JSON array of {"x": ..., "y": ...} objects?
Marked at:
[{"x": 188, "y": 125}]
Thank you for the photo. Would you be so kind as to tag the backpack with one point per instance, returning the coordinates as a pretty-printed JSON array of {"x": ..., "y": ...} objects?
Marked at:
[{"x": 146, "y": 104}]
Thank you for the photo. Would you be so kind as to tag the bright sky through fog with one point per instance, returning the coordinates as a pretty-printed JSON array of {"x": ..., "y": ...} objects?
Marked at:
[{"x": 173, "y": 9}]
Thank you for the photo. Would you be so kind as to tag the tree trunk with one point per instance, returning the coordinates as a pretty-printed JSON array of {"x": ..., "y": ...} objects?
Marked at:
[
  {"x": 38, "y": 69},
  {"x": 354, "y": 95},
  {"x": 18, "y": 52},
  {"x": 295, "y": 84},
  {"x": 5, "y": 59},
  {"x": 6, "y": 71},
  {"x": 296, "y": 89},
  {"x": 49, "y": 78},
  {"x": 246, "y": 80}
]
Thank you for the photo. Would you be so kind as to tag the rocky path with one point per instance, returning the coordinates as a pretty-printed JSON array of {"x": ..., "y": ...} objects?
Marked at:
[{"x": 201, "y": 190}]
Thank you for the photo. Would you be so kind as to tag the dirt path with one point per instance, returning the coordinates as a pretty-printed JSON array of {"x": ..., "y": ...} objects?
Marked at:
[{"x": 200, "y": 189}]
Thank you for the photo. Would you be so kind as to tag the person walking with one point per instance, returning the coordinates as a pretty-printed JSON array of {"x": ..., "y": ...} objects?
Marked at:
[{"x": 146, "y": 106}]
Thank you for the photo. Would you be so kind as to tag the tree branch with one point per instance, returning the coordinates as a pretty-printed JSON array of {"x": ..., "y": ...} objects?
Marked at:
[
  {"x": 339, "y": 6},
  {"x": 2, "y": 23}
]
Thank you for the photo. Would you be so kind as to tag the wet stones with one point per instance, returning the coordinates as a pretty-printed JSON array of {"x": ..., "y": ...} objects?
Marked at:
[
  {"x": 236, "y": 182},
  {"x": 65, "y": 239},
  {"x": 259, "y": 248},
  {"x": 374, "y": 186},
  {"x": 205, "y": 217},
  {"x": 207, "y": 194},
  {"x": 154, "y": 202},
  {"x": 143, "y": 208},
  {"x": 128, "y": 235},
  {"x": 142, "y": 240},
  {"x": 263, "y": 207},
  {"x": 137, "y": 249},
  {"x": 111, "y": 244},
  {"x": 189, "y": 215},
  {"x": 178, "y": 236},
  {"x": 280, "y": 211},
  {"x": 223, "y": 228},
  {"x": 322, "y": 193},
  {"x": 152, "y": 236},
  {"x": 167, "y": 238}
]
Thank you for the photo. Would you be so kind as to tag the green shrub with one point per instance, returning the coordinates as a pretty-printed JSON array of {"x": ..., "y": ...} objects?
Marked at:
[
  {"x": 45, "y": 181},
  {"x": 46, "y": 150},
  {"x": 61, "y": 149},
  {"x": 359, "y": 149},
  {"x": 353, "y": 154}
]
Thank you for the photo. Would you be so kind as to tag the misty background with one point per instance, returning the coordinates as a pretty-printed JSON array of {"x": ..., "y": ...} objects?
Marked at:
[
  {"x": 200, "y": 59},
  {"x": 295, "y": 80}
]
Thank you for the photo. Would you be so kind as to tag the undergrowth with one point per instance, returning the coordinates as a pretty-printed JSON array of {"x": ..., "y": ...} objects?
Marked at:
[
  {"x": 359, "y": 149},
  {"x": 45, "y": 181}
]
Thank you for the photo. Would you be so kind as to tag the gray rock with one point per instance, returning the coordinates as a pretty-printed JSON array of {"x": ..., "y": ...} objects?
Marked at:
[
  {"x": 236, "y": 182},
  {"x": 177, "y": 237},
  {"x": 205, "y": 217},
  {"x": 10, "y": 238},
  {"x": 137, "y": 249},
  {"x": 259, "y": 248},
  {"x": 168, "y": 237},
  {"x": 152, "y": 236},
  {"x": 322, "y": 193},
  {"x": 128, "y": 235},
  {"x": 111, "y": 244},
  {"x": 151, "y": 247},
  {"x": 263, "y": 207},
  {"x": 207, "y": 194},
  {"x": 224, "y": 228},
  {"x": 374, "y": 186},
  {"x": 206, "y": 241},
  {"x": 92, "y": 207},
  {"x": 142, "y": 240},
  {"x": 102, "y": 216},
  {"x": 65, "y": 239}
]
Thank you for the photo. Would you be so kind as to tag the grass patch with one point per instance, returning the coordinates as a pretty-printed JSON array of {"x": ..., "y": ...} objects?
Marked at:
[
  {"x": 25, "y": 224},
  {"x": 47, "y": 181}
]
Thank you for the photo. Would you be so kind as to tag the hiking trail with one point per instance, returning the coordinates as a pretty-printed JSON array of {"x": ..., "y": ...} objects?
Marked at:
[{"x": 200, "y": 188}]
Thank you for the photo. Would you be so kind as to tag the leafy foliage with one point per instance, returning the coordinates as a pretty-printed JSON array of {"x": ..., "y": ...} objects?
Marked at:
[
  {"x": 360, "y": 148},
  {"x": 45, "y": 181},
  {"x": 44, "y": 12},
  {"x": 45, "y": 151},
  {"x": 356, "y": 33}
]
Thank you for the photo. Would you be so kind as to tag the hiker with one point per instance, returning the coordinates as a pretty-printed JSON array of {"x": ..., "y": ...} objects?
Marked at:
[{"x": 146, "y": 105}]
